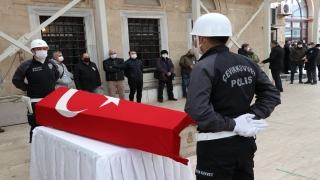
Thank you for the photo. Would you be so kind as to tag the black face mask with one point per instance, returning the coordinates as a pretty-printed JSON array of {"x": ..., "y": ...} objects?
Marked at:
[
  {"x": 191, "y": 55},
  {"x": 86, "y": 60}
]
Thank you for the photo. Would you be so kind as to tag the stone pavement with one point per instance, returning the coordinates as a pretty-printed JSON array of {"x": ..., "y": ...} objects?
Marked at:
[{"x": 288, "y": 150}]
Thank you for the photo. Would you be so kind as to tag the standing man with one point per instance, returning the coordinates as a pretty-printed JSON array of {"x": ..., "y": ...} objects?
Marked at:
[
  {"x": 286, "y": 61},
  {"x": 114, "y": 68},
  {"x": 86, "y": 75},
  {"x": 311, "y": 63},
  {"x": 134, "y": 73},
  {"x": 42, "y": 75},
  {"x": 222, "y": 86},
  {"x": 186, "y": 63},
  {"x": 276, "y": 63},
  {"x": 297, "y": 60},
  {"x": 166, "y": 70},
  {"x": 65, "y": 76},
  {"x": 244, "y": 50}
]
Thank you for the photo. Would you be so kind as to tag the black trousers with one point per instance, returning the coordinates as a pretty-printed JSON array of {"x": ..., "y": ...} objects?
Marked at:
[
  {"x": 32, "y": 120},
  {"x": 169, "y": 89},
  {"x": 277, "y": 79},
  {"x": 287, "y": 65},
  {"x": 135, "y": 86},
  {"x": 312, "y": 76},
  {"x": 229, "y": 158}
]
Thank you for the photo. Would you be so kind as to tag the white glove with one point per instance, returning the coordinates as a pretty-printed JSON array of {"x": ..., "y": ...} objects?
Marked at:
[
  {"x": 244, "y": 124},
  {"x": 258, "y": 126}
]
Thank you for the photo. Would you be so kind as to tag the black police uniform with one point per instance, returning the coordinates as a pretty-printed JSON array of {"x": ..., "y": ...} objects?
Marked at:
[
  {"x": 41, "y": 78},
  {"x": 222, "y": 86}
]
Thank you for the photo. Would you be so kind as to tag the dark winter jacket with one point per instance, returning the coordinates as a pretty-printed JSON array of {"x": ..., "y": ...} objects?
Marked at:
[
  {"x": 165, "y": 67},
  {"x": 297, "y": 54},
  {"x": 242, "y": 52},
  {"x": 116, "y": 73},
  {"x": 312, "y": 56},
  {"x": 41, "y": 78},
  {"x": 276, "y": 58},
  {"x": 134, "y": 69},
  {"x": 222, "y": 87},
  {"x": 86, "y": 77}
]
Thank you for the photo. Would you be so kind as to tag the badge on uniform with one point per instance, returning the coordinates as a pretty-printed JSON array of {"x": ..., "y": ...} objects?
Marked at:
[
  {"x": 50, "y": 65},
  {"x": 93, "y": 68}
]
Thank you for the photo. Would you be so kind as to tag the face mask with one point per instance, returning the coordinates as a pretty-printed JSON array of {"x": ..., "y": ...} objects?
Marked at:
[
  {"x": 300, "y": 46},
  {"x": 251, "y": 51},
  {"x": 113, "y": 56},
  {"x": 248, "y": 49},
  {"x": 41, "y": 55},
  {"x": 60, "y": 58},
  {"x": 309, "y": 47},
  {"x": 319, "y": 48},
  {"x": 164, "y": 55},
  {"x": 199, "y": 45},
  {"x": 86, "y": 59},
  {"x": 191, "y": 55},
  {"x": 134, "y": 56}
]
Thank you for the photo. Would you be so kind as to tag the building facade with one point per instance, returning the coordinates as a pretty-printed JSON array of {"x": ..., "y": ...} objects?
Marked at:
[{"x": 144, "y": 26}]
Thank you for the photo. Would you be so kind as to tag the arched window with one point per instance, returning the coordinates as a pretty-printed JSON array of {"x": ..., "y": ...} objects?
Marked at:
[{"x": 297, "y": 23}]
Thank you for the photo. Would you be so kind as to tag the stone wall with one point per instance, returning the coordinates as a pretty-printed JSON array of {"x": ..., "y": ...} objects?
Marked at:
[{"x": 15, "y": 22}]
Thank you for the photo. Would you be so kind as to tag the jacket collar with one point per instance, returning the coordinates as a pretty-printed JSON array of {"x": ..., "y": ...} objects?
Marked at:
[{"x": 214, "y": 50}]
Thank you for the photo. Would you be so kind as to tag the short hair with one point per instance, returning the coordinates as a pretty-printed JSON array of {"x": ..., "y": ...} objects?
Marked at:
[
  {"x": 274, "y": 42},
  {"x": 131, "y": 51},
  {"x": 311, "y": 43},
  {"x": 55, "y": 52},
  {"x": 84, "y": 53},
  {"x": 218, "y": 39},
  {"x": 299, "y": 42},
  {"x": 190, "y": 50},
  {"x": 244, "y": 45},
  {"x": 163, "y": 52}
]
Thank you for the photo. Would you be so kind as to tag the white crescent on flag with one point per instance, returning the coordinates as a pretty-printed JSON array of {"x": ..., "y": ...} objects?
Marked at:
[{"x": 61, "y": 106}]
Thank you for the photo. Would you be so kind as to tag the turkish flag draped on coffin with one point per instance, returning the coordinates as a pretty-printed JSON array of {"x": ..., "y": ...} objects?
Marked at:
[{"x": 140, "y": 126}]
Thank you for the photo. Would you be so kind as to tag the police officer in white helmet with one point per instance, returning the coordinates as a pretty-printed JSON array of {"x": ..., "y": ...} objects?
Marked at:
[
  {"x": 41, "y": 74},
  {"x": 222, "y": 87}
]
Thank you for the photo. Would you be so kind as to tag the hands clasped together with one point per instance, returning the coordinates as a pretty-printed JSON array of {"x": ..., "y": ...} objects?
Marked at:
[{"x": 247, "y": 127}]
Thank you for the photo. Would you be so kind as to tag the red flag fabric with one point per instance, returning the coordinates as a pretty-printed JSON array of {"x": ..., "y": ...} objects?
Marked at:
[{"x": 140, "y": 126}]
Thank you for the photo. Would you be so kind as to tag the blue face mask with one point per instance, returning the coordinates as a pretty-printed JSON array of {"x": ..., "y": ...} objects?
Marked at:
[{"x": 251, "y": 51}]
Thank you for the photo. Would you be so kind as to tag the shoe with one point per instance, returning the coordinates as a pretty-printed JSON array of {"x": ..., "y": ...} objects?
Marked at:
[
  {"x": 291, "y": 82},
  {"x": 173, "y": 99},
  {"x": 308, "y": 82},
  {"x": 160, "y": 100},
  {"x": 313, "y": 83},
  {"x": 286, "y": 73},
  {"x": 1, "y": 130},
  {"x": 300, "y": 82}
]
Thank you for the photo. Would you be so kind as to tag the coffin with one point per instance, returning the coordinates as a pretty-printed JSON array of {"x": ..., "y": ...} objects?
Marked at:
[{"x": 145, "y": 127}]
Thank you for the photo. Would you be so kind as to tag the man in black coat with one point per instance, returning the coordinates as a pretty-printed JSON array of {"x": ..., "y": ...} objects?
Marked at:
[
  {"x": 244, "y": 49},
  {"x": 286, "y": 61},
  {"x": 311, "y": 59},
  {"x": 134, "y": 73},
  {"x": 276, "y": 63},
  {"x": 86, "y": 75}
]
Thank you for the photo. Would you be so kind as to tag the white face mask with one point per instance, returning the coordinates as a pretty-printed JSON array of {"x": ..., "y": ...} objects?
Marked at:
[
  {"x": 248, "y": 49},
  {"x": 164, "y": 55},
  {"x": 199, "y": 45},
  {"x": 300, "y": 46},
  {"x": 41, "y": 55},
  {"x": 113, "y": 56},
  {"x": 133, "y": 56},
  {"x": 60, "y": 58}
]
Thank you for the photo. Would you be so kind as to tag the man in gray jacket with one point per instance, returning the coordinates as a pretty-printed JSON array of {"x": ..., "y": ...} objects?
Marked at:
[{"x": 65, "y": 75}]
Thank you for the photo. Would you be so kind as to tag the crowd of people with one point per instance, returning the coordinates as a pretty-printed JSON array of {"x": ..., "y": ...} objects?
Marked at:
[{"x": 291, "y": 57}]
